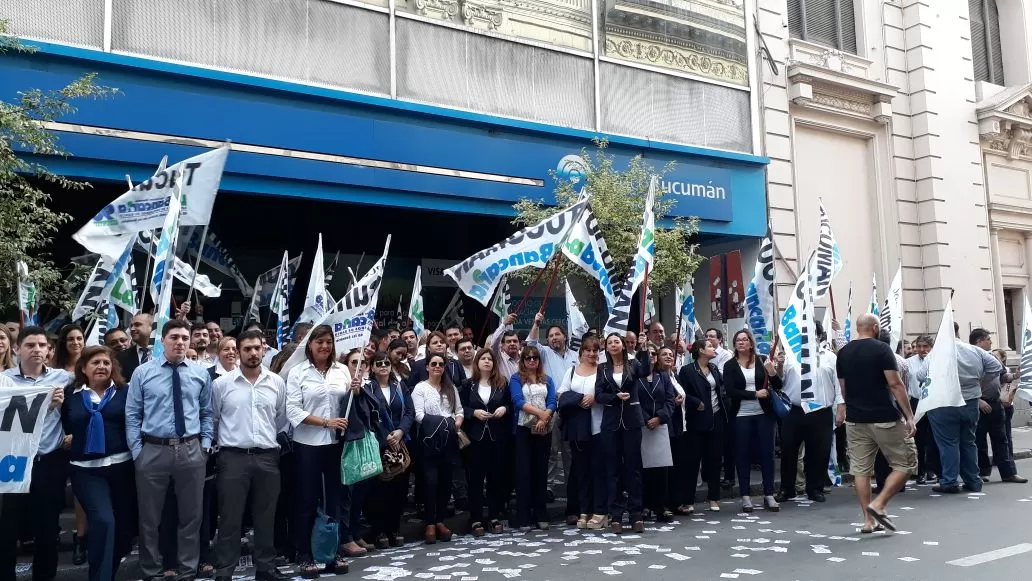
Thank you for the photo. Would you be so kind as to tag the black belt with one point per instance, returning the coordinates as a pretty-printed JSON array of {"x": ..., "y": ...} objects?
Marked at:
[
  {"x": 169, "y": 441},
  {"x": 248, "y": 451}
]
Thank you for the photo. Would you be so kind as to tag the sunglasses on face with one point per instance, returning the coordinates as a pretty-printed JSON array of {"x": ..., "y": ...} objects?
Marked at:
[
  {"x": 435, "y": 364},
  {"x": 382, "y": 363},
  {"x": 531, "y": 358}
]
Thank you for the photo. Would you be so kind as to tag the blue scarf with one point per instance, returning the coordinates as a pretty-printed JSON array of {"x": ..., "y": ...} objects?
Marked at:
[{"x": 95, "y": 443}]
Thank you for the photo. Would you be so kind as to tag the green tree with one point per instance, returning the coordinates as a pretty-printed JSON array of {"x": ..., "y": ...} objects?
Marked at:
[
  {"x": 27, "y": 220},
  {"x": 618, "y": 201}
]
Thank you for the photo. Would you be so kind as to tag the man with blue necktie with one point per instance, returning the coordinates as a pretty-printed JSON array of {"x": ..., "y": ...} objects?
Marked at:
[{"x": 169, "y": 431}]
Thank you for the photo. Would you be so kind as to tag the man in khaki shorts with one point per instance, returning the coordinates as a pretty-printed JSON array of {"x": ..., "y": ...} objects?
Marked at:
[{"x": 870, "y": 384}]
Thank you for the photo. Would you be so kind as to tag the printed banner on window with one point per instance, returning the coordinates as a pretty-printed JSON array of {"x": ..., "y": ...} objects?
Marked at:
[{"x": 21, "y": 424}]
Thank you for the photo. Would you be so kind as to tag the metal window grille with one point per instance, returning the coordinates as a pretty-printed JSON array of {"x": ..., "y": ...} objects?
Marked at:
[
  {"x": 986, "y": 51},
  {"x": 828, "y": 22}
]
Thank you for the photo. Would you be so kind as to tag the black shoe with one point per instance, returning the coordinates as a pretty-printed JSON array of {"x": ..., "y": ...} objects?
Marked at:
[
  {"x": 971, "y": 488},
  {"x": 951, "y": 489},
  {"x": 922, "y": 479},
  {"x": 782, "y": 497},
  {"x": 817, "y": 496},
  {"x": 227, "y": 577},
  {"x": 273, "y": 575},
  {"x": 725, "y": 483},
  {"x": 281, "y": 561},
  {"x": 78, "y": 550}
]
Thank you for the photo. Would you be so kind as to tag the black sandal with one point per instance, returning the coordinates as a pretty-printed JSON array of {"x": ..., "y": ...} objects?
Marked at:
[
  {"x": 477, "y": 529},
  {"x": 882, "y": 518},
  {"x": 875, "y": 528},
  {"x": 308, "y": 569}
]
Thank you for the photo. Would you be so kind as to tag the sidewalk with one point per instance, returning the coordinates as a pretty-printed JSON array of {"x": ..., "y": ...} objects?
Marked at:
[{"x": 411, "y": 526}]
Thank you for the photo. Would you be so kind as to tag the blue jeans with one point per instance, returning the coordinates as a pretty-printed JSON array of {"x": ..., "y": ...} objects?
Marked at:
[
  {"x": 954, "y": 430},
  {"x": 754, "y": 438}
]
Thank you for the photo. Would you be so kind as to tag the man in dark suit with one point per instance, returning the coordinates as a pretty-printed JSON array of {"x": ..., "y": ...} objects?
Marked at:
[{"x": 140, "y": 350}]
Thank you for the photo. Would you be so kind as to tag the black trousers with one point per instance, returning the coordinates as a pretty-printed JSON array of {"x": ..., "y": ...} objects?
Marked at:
[
  {"x": 487, "y": 462},
  {"x": 285, "y": 506},
  {"x": 437, "y": 483},
  {"x": 43, "y": 504},
  {"x": 622, "y": 450},
  {"x": 994, "y": 425},
  {"x": 677, "y": 475},
  {"x": 599, "y": 474},
  {"x": 814, "y": 430},
  {"x": 730, "y": 468},
  {"x": 385, "y": 503},
  {"x": 532, "y": 452},
  {"x": 582, "y": 477},
  {"x": 705, "y": 452},
  {"x": 108, "y": 497},
  {"x": 318, "y": 468},
  {"x": 924, "y": 440},
  {"x": 654, "y": 484},
  {"x": 242, "y": 477}
]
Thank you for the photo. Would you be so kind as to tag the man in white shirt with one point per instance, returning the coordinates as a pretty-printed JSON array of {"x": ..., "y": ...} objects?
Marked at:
[
  {"x": 199, "y": 342},
  {"x": 249, "y": 405},
  {"x": 716, "y": 338},
  {"x": 812, "y": 430},
  {"x": 927, "y": 450},
  {"x": 506, "y": 345}
]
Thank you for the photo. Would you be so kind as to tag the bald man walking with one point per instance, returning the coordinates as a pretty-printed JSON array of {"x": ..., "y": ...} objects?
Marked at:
[{"x": 870, "y": 384}]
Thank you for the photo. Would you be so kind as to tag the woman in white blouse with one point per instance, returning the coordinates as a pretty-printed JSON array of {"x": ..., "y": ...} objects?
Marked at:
[
  {"x": 533, "y": 396},
  {"x": 439, "y": 415},
  {"x": 582, "y": 421},
  {"x": 314, "y": 390}
]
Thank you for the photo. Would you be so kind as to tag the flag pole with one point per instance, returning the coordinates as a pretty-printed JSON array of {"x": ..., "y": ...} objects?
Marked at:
[
  {"x": 831, "y": 303},
  {"x": 644, "y": 299},
  {"x": 451, "y": 303},
  {"x": 197, "y": 262}
]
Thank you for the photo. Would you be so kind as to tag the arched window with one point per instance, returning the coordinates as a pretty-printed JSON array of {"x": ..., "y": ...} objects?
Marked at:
[
  {"x": 986, "y": 54},
  {"x": 827, "y": 22}
]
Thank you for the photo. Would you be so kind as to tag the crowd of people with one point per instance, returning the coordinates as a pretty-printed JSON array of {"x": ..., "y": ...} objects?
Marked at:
[{"x": 183, "y": 452}]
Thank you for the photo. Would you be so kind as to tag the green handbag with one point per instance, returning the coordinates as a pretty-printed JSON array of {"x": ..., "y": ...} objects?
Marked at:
[{"x": 361, "y": 458}]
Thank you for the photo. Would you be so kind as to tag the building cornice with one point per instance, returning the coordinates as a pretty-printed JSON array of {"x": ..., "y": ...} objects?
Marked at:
[
  {"x": 1005, "y": 123},
  {"x": 836, "y": 82}
]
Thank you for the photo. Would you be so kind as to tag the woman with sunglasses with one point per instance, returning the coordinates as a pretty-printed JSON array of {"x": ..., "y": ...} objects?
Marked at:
[
  {"x": 436, "y": 344},
  {"x": 360, "y": 420},
  {"x": 396, "y": 414},
  {"x": 750, "y": 380},
  {"x": 582, "y": 420},
  {"x": 656, "y": 394},
  {"x": 439, "y": 414},
  {"x": 616, "y": 389},
  {"x": 486, "y": 403},
  {"x": 533, "y": 396},
  {"x": 701, "y": 379},
  {"x": 314, "y": 390}
]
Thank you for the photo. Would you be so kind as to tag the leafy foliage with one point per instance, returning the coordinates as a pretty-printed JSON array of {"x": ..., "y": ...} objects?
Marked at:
[
  {"x": 618, "y": 201},
  {"x": 27, "y": 220}
]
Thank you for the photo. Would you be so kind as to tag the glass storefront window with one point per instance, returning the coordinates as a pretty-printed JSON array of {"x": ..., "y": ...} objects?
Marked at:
[
  {"x": 701, "y": 37},
  {"x": 565, "y": 23}
]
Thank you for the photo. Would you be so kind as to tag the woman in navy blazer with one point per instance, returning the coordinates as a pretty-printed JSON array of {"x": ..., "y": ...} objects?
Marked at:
[
  {"x": 486, "y": 405},
  {"x": 101, "y": 465},
  {"x": 533, "y": 402},
  {"x": 702, "y": 379},
  {"x": 656, "y": 394},
  {"x": 581, "y": 420},
  {"x": 616, "y": 389},
  {"x": 393, "y": 408}
]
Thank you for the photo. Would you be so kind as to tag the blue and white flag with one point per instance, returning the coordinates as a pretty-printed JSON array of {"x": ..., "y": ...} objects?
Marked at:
[
  {"x": 1025, "y": 365},
  {"x": 145, "y": 205},
  {"x": 280, "y": 304},
  {"x": 415, "y": 312},
  {"x": 827, "y": 261},
  {"x": 216, "y": 256},
  {"x": 575, "y": 321},
  {"x": 28, "y": 299},
  {"x": 873, "y": 308},
  {"x": 586, "y": 248},
  {"x": 893, "y": 313},
  {"x": 316, "y": 301},
  {"x": 688, "y": 326},
  {"x": 161, "y": 280},
  {"x": 644, "y": 257},
  {"x": 502, "y": 298},
  {"x": 847, "y": 327},
  {"x": 759, "y": 298},
  {"x": 92, "y": 297},
  {"x": 121, "y": 291},
  {"x": 182, "y": 271},
  {"x": 799, "y": 338}
]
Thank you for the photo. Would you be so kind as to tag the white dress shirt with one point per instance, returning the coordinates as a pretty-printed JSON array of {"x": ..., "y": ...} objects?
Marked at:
[
  {"x": 826, "y": 386},
  {"x": 556, "y": 365},
  {"x": 917, "y": 372},
  {"x": 722, "y": 357},
  {"x": 428, "y": 401},
  {"x": 311, "y": 394},
  {"x": 249, "y": 415}
]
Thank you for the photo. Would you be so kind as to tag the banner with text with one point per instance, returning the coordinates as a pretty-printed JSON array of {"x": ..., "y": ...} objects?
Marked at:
[{"x": 22, "y": 410}]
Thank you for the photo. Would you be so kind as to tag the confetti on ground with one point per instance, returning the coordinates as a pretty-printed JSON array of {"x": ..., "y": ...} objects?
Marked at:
[
  {"x": 657, "y": 566},
  {"x": 909, "y": 559},
  {"x": 747, "y": 571},
  {"x": 729, "y": 575},
  {"x": 870, "y": 554},
  {"x": 739, "y": 555},
  {"x": 932, "y": 543},
  {"x": 836, "y": 559},
  {"x": 678, "y": 556}
]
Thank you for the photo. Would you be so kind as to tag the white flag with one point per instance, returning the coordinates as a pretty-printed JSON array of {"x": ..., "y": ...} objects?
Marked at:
[
  {"x": 620, "y": 313},
  {"x": 415, "y": 311},
  {"x": 687, "y": 325},
  {"x": 942, "y": 387},
  {"x": 575, "y": 321},
  {"x": 161, "y": 280},
  {"x": 586, "y": 248},
  {"x": 93, "y": 294},
  {"x": 894, "y": 308},
  {"x": 144, "y": 206},
  {"x": 23, "y": 410},
  {"x": 799, "y": 339},
  {"x": 316, "y": 301},
  {"x": 759, "y": 298},
  {"x": 827, "y": 260},
  {"x": 354, "y": 315},
  {"x": 1025, "y": 366},
  {"x": 478, "y": 275},
  {"x": 253, "y": 314}
]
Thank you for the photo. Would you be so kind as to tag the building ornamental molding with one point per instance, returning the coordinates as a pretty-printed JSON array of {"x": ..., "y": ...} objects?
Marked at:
[
  {"x": 1005, "y": 123},
  {"x": 836, "y": 82},
  {"x": 441, "y": 9},
  {"x": 478, "y": 15}
]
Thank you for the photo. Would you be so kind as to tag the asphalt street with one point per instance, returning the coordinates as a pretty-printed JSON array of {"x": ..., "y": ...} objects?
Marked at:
[{"x": 940, "y": 537}]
